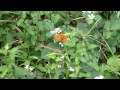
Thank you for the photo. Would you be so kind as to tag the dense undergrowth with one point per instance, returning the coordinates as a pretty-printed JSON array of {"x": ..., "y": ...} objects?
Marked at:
[{"x": 59, "y": 44}]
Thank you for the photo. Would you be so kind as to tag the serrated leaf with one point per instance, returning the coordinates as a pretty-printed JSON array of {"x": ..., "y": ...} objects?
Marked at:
[
  {"x": 81, "y": 48},
  {"x": 114, "y": 61},
  {"x": 7, "y": 46},
  {"x": 37, "y": 47},
  {"x": 9, "y": 38},
  {"x": 115, "y": 25},
  {"x": 48, "y": 35},
  {"x": 3, "y": 73},
  {"x": 41, "y": 68},
  {"x": 106, "y": 34},
  {"x": 107, "y": 25},
  {"x": 53, "y": 66},
  {"x": 113, "y": 64},
  {"x": 40, "y": 25},
  {"x": 48, "y": 25},
  {"x": 55, "y": 18},
  {"x": 92, "y": 46},
  {"x": 45, "y": 52},
  {"x": 2, "y": 31},
  {"x": 2, "y": 68},
  {"x": 70, "y": 43},
  {"x": 90, "y": 21},
  {"x": 30, "y": 31},
  {"x": 13, "y": 53},
  {"x": 23, "y": 14},
  {"x": 27, "y": 42},
  {"x": 112, "y": 24},
  {"x": 33, "y": 40},
  {"x": 20, "y": 22},
  {"x": 98, "y": 17},
  {"x": 42, "y": 37},
  {"x": 21, "y": 72}
]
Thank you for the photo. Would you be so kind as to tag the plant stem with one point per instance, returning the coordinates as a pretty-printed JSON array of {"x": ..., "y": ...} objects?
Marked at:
[
  {"x": 92, "y": 27},
  {"x": 106, "y": 43},
  {"x": 86, "y": 46},
  {"x": 78, "y": 18},
  {"x": 96, "y": 40}
]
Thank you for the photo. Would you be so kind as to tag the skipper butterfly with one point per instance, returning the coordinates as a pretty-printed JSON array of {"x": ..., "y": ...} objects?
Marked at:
[{"x": 61, "y": 38}]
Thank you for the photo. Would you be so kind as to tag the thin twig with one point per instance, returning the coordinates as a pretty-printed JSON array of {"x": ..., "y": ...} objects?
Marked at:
[
  {"x": 50, "y": 48},
  {"x": 96, "y": 41},
  {"x": 78, "y": 18},
  {"x": 16, "y": 41},
  {"x": 92, "y": 27},
  {"x": 106, "y": 43},
  {"x": 55, "y": 50},
  {"x": 104, "y": 54}
]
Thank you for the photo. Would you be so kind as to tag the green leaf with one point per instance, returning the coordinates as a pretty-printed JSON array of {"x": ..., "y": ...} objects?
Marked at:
[
  {"x": 48, "y": 25},
  {"x": 2, "y": 68},
  {"x": 7, "y": 46},
  {"x": 27, "y": 43},
  {"x": 118, "y": 14},
  {"x": 45, "y": 52},
  {"x": 23, "y": 14},
  {"x": 81, "y": 48},
  {"x": 82, "y": 27},
  {"x": 92, "y": 46},
  {"x": 33, "y": 40},
  {"x": 90, "y": 21},
  {"x": 37, "y": 47},
  {"x": 94, "y": 65},
  {"x": 70, "y": 43},
  {"x": 48, "y": 35},
  {"x": 27, "y": 62},
  {"x": 58, "y": 59},
  {"x": 107, "y": 34},
  {"x": 9, "y": 38},
  {"x": 72, "y": 75},
  {"x": 115, "y": 24},
  {"x": 107, "y": 25},
  {"x": 113, "y": 64},
  {"x": 21, "y": 72},
  {"x": 112, "y": 24},
  {"x": 14, "y": 52},
  {"x": 53, "y": 66},
  {"x": 42, "y": 68},
  {"x": 2, "y": 31},
  {"x": 114, "y": 61},
  {"x": 3, "y": 73},
  {"x": 30, "y": 31},
  {"x": 42, "y": 37},
  {"x": 70, "y": 51},
  {"x": 82, "y": 74},
  {"x": 40, "y": 25},
  {"x": 20, "y": 22},
  {"x": 98, "y": 17},
  {"x": 55, "y": 18}
]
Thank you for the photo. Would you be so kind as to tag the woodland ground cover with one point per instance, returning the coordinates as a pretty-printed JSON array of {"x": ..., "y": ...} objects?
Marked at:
[{"x": 59, "y": 44}]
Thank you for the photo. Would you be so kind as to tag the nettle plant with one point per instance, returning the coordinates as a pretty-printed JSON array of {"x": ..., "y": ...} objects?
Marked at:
[{"x": 59, "y": 44}]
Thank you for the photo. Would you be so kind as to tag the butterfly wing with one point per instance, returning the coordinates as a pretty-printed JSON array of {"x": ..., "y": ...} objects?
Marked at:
[{"x": 61, "y": 37}]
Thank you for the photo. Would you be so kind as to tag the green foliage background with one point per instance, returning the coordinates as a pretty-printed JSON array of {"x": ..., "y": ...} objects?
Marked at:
[{"x": 93, "y": 49}]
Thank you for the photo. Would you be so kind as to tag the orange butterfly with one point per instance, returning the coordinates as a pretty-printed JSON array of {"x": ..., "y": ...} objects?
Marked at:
[{"x": 61, "y": 38}]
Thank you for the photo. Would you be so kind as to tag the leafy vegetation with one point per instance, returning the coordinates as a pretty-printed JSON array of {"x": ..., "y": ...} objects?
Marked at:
[{"x": 32, "y": 48}]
